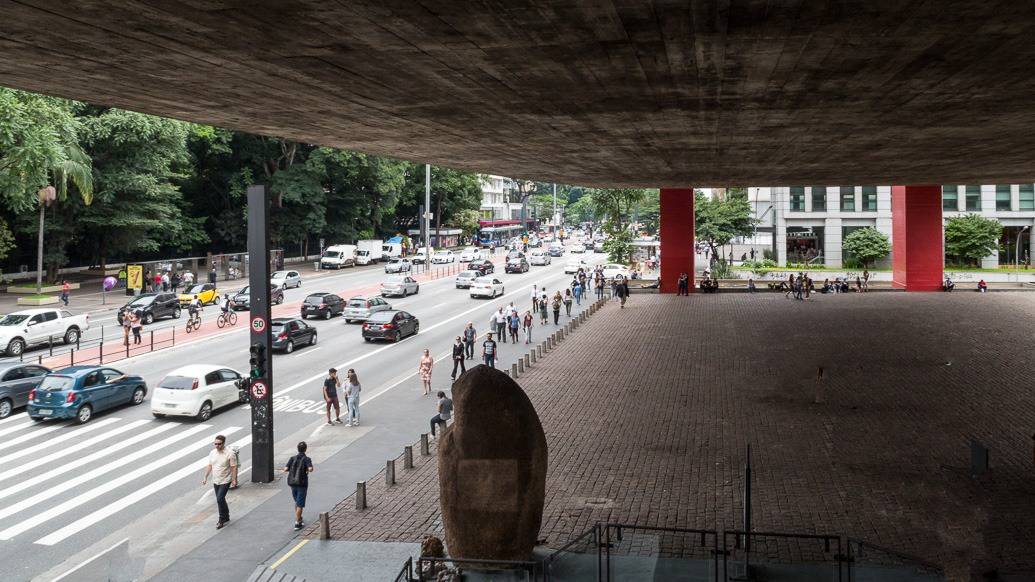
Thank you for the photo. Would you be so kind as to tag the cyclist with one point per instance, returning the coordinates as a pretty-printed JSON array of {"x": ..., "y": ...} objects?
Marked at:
[
  {"x": 194, "y": 308},
  {"x": 226, "y": 304}
]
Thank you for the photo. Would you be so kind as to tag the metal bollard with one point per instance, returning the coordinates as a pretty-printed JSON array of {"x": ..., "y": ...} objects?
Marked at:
[
  {"x": 390, "y": 472},
  {"x": 424, "y": 449},
  {"x": 521, "y": 365},
  {"x": 325, "y": 526},
  {"x": 513, "y": 371},
  {"x": 539, "y": 350},
  {"x": 533, "y": 358},
  {"x": 408, "y": 457},
  {"x": 528, "y": 361},
  {"x": 550, "y": 342},
  {"x": 361, "y": 495}
]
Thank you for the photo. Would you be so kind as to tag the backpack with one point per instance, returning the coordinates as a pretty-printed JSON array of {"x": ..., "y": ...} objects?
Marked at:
[{"x": 296, "y": 471}]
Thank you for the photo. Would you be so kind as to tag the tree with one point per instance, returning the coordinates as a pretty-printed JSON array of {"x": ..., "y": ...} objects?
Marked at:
[
  {"x": 972, "y": 237},
  {"x": 717, "y": 221},
  {"x": 867, "y": 244},
  {"x": 618, "y": 246},
  {"x": 581, "y": 210}
]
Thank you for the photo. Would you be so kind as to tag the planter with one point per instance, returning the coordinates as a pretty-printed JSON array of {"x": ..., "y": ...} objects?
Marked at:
[
  {"x": 32, "y": 290},
  {"x": 38, "y": 300}
]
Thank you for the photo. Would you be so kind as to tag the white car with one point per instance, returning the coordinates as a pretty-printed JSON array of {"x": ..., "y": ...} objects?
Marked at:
[
  {"x": 598, "y": 246},
  {"x": 610, "y": 271},
  {"x": 539, "y": 257},
  {"x": 577, "y": 248},
  {"x": 469, "y": 254},
  {"x": 420, "y": 258},
  {"x": 486, "y": 287},
  {"x": 574, "y": 265},
  {"x": 442, "y": 257},
  {"x": 465, "y": 278},
  {"x": 398, "y": 266},
  {"x": 286, "y": 279},
  {"x": 23, "y": 329},
  {"x": 196, "y": 390}
]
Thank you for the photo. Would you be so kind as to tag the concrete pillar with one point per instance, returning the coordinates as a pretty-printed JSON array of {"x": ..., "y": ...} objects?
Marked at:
[
  {"x": 677, "y": 237},
  {"x": 832, "y": 240},
  {"x": 918, "y": 255}
]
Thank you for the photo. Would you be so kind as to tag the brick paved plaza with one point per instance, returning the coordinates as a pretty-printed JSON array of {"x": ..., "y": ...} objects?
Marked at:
[{"x": 648, "y": 412}]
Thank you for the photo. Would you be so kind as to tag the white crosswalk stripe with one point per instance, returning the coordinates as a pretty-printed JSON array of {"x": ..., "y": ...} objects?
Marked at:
[
  {"x": 67, "y": 435},
  {"x": 30, "y": 424},
  {"x": 106, "y": 487},
  {"x": 8, "y": 443},
  {"x": 14, "y": 417}
]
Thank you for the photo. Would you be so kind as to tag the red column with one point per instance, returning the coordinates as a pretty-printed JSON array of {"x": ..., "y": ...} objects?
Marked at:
[
  {"x": 677, "y": 237},
  {"x": 917, "y": 242}
]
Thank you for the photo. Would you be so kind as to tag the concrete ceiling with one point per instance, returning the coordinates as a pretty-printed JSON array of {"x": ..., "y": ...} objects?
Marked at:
[{"x": 592, "y": 92}]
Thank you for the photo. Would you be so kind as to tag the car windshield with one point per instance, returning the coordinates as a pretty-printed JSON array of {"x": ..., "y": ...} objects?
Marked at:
[
  {"x": 196, "y": 289},
  {"x": 13, "y": 319},
  {"x": 177, "y": 383},
  {"x": 56, "y": 383},
  {"x": 357, "y": 302},
  {"x": 382, "y": 317},
  {"x": 279, "y": 275},
  {"x": 314, "y": 299},
  {"x": 244, "y": 291},
  {"x": 142, "y": 301},
  {"x": 332, "y": 254},
  {"x": 468, "y": 274},
  {"x": 394, "y": 280},
  {"x": 396, "y": 261},
  {"x": 484, "y": 280}
]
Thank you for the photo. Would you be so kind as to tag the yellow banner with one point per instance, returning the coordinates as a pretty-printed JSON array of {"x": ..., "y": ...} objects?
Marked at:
[{"x": 135, "y": 276}]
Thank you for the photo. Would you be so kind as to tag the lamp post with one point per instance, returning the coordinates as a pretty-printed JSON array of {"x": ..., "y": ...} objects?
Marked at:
[
  {"x": 46, "y": 195},
  {"x": 1017, "y": 252},
  {"x": 773, "y": 235}
]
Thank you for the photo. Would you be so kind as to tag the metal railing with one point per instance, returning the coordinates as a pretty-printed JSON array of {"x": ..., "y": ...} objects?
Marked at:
[
  {"x": 747, "y": 552},
  {"x": 428, "y": 569},
  {"x": 866, "y": 555},
  {"x": 97, "y": 350},
  {"x": 692, "y": 553},
  {"x": 406, "y": 573},
  {"x": 587, "y": 544}
]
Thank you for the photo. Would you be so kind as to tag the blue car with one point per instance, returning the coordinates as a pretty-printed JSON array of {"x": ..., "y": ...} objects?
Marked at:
[{"x": 81, "y": 391}]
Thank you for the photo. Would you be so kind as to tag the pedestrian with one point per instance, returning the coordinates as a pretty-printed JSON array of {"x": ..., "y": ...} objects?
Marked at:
[
  {"x": 330, "y": 395},
  {"x": 567, "y": 302},
  {"x": 470, "y": 335},
  {"x": 527, "y": 326},
  {"x": 622, "y": 289},
  {"x": 543, "y": 315},
  {"x": 127, "y": 324},
  {"x": 424, "y": 368},
  {"x": 174, "y": 282},
  {"x": 298, "y": 468},
  {"x": 222, "y": 467},
  {"x": 165, "y": 281},
  {"x": 858, "y": 284},
  {"x": 556, "y": 305},
  {"x": 683, "y": 285},
  {"x": 135, "y": 324},
  {"x": 514, "y": 320},
  {"x": 157, "y": 285},
  {"x": 212, "y": 275},
  {"x": 352, "y": 390},
  {"x": 188, "y": 278},
  {"x": 866, "y": 280},
  {"x": 489, "y": 351},
  {"x": 535, "y": 299},
  {"x": 578, "y": 292},
  {"x": 598, "y": 282},
  {"x": 445, "y": 411},
  {"x": 501, "y": 325},
  {"x": 458, "y": 357},
  {"x": 66, "y": 290}
]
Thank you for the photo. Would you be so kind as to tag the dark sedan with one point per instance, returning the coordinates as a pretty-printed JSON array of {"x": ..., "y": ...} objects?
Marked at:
[
  {"x": 152, "y": 306},
  {"x": 289, "y": 333},
  {"x": 325, "y": 305},
  {"x": 242, "y": 299},
  {"x": 483, "y": 266},
  {"x": 390, "y": 325},
  {"x": 16, "y": 381},
  {"x": 517, "y": 265}
]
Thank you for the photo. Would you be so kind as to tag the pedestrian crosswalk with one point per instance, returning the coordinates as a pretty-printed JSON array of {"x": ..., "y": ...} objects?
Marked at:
[{"x": 58, "y": 480}]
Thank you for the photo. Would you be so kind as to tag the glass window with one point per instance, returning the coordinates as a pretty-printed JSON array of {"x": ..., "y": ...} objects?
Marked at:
[
  {"x": 1027, "y": 197},
  {"x": 973, "y": 198},
  {"x": 819, "y": 198},
  {"x": 869, "y": 198},
  {"x": 847, "y": 199},
  {"x": 797, "y": 198},
  {"x": 950, "y": 198},
  {"x": 1002, "y": 197}
]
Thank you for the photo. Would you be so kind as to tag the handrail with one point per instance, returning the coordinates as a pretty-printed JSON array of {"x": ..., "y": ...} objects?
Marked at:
[
  {"x": 902, "y": 556},
  {"x": 525, "y": 565},
  {"x": 406, "y": 574}
]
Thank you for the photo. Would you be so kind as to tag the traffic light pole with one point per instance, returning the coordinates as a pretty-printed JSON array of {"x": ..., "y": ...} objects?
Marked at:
[{"x": 260, "y": 363}]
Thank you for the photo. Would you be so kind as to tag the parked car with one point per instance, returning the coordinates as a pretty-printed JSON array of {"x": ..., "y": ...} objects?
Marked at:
[
  {"x": 610, "y": 271},
  {"x": 399, "y": 286},
  {"x": 442, "y": 257},
  {"x": 486, "y": 287},
  {"x": 325, "y": 305},
  {"x": 206, "y": 292},
  {"x": 79, "y": 392},
  {"x": 483, "y": 266},
  {"x": 16, "y": 381},
  {"x": 360, "y": 308},
  {"x": 243, "y": 298},
  {"x": 338, "y": 256},
  {"x": 398, "y": 265},
  {"x": 196, "y": 390},
  {"x": 151, "y": 306},
  {"x": 517, "y": 265},
  {"x": 539, "y": 257},
  {"x": 577, "y": 248},
  {"x": 465, "y": 278},
  {"x": 286, "y": 279},
  {"x": 289, "y": 332},
  {"x": 469, "y": 254},
  {"x": 391, "y": 325},
  {"x": 22, "y": 329}
]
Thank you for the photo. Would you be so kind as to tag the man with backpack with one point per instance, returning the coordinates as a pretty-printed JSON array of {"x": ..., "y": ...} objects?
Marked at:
[{"x": 298, "y": 469}]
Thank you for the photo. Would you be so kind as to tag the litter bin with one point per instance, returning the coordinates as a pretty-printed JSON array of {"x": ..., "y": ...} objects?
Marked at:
[{"x": 316, "y": 266}]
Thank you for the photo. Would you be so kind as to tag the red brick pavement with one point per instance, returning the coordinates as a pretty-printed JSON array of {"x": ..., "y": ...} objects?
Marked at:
[{"x": 648, "y": 412}]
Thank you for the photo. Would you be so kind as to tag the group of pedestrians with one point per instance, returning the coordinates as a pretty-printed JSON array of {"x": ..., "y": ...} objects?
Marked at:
[
  {"x": 351, "y": 391},
  {"x": 132, "y": 323}
]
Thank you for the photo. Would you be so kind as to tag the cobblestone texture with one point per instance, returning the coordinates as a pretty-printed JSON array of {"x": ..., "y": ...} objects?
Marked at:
[{"x": 649, "y": 411}]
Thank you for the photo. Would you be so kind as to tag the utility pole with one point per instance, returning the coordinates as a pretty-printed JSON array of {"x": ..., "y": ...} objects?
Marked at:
[
  {"x": 555, "y": 221},
  {"x": 427, "y": 208},
  {"x": 260, "y": 377}
]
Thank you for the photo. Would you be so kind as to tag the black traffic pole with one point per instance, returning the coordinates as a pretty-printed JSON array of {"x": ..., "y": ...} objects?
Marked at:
[{"x": 260, "y": 385}]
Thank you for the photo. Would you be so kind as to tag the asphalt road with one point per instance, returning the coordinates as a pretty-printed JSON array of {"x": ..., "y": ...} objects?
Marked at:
[{"x": 69, "y": 494}]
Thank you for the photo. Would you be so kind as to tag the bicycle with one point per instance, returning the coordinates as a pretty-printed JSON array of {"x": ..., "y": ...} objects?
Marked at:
[
  {"x": 194, "y": 322},
  {"x": 228, "y": 317}
]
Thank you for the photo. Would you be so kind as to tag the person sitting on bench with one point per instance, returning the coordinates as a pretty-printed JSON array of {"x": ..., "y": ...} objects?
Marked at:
[{"x": 948, "y": 285}]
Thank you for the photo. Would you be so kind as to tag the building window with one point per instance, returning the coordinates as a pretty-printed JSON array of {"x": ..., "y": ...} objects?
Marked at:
[
  {"x": 847, "y": 199},
  {"x": 973, "y": 198},
  {"x": 869, "y": 198},
  {"x": 950, "y": 198},
  {"x": 1027, "y": 198},
  {"x": 1002, "y": 197},
  {"x": 819, "y": 198},
  {"x": 797, "y": 198}
]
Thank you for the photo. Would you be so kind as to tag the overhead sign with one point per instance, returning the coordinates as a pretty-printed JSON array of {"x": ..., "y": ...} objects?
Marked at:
[
  {"x": 135, "y": 276},
  {"x": 258, "y": 325},
  {"x": 258, "y": 390}
]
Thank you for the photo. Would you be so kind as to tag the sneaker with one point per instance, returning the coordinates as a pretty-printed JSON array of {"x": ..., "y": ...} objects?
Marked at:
[
  {"x": 298, "y": 525},
  {"x": 355, "y": 423},
  {"x": 329, "y": 423},
  {"x": 338, "y": 421}
]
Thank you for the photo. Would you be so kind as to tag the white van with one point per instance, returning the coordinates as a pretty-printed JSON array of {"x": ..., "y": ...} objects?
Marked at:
[
  {"x": 391, "y": 250},
  {"x": 368, "y": 251},
  {"x": 338, "y": 256}
]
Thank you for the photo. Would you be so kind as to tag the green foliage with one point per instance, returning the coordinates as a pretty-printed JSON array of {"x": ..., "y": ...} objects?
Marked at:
[
  {"x": 618, "y": 246},
  {"x": 6, "y": 239},
  {"x": 717, "y": 221},
  {"x": 867, "y": 244},
  {"x": 972, "y": 237},
  {"x": 581, "y": 210},
  {"x": 760, "y": 268}
]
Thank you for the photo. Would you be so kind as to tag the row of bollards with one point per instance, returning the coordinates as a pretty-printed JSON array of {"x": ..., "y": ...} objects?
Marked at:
[{"x": 533, "y": 356}]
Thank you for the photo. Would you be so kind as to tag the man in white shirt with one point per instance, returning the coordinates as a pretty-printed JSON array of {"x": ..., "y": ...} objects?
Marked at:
[
  {"x": 501, "y": 325},
  {"x": 222, "y": 466}
]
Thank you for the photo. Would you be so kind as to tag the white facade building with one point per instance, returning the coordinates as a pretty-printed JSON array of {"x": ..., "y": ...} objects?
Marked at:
[{"x": 494, "y": 206}]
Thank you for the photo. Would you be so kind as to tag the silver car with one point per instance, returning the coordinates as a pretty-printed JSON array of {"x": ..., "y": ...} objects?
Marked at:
[
  {"x": 360, "y": 308},
  {"x": 465, "y": 278},
  {"x": 399, "y": 286},
  {"x": 398, "y": 266},
  {"x": 16, "y": 381}
]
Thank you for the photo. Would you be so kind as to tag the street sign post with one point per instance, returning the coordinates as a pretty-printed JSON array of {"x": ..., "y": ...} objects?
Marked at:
[{"x": 261, "y": 376}]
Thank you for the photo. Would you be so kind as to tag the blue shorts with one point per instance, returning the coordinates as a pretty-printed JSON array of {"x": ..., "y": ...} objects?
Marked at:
[{"x": 298, "y": 494}]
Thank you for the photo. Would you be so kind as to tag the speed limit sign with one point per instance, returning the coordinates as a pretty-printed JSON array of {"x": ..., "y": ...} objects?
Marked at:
[
  {"x": 258, "y": 325},
  {"x": 258, "y": 390}
]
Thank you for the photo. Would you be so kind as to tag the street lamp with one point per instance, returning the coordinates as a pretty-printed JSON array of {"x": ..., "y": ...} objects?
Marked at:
[{"x": 1017, "y": 252}]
